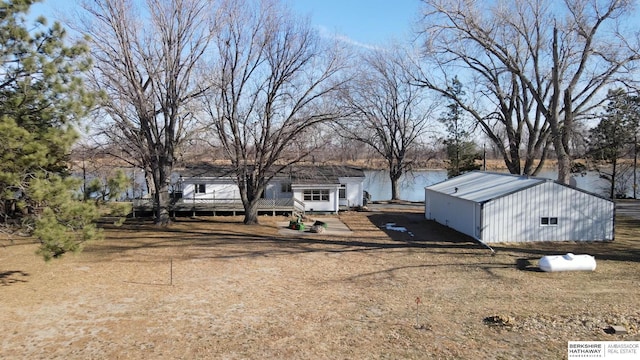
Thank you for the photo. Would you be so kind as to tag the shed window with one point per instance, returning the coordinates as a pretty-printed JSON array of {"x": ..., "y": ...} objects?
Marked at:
[
  {"x": 342, "y": 192},
  {"x": 285, "y": 187},
  {"x": 548, "y": 221},
  {"x": 200, "y": 188},
  {"x": 316, "y": 195}
]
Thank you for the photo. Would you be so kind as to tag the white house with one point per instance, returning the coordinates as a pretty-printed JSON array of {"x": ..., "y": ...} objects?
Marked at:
[
  {"x": 205, "y": 183},
  {"x": 495, "y": 207},
  {"x": 317, "y": 188},
  {"x": 326, "y": 188}
]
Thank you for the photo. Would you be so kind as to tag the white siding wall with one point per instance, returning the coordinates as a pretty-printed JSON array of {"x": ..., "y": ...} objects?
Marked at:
[
  {"x": 516, "y": 217},
  {"x": 270, "y": 190},
  {"x": 273, "y": 190},
  {"x": 315, "y": 206},
  {"x": 461, "y": 215},
  {"x": 354, "y": 190},
  {"x": 225, "y": 189},
  {"x": 213, "y": 191}
]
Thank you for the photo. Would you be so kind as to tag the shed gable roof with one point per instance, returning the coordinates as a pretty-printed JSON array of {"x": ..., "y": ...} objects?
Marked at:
[{"x": 480, "y": 187}]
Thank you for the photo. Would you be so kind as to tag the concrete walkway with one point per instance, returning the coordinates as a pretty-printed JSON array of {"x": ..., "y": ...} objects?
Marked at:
[{"x": 629, "y": 208}]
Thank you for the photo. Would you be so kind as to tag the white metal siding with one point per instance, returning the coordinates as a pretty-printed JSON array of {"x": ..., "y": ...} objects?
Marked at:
[
  {"x": 516, "y": 217},
  {"x": 459, "y": 214}
]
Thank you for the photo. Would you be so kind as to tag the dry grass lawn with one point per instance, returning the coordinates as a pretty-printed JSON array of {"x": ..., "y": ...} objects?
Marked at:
[{"x": 211, "y": 288}]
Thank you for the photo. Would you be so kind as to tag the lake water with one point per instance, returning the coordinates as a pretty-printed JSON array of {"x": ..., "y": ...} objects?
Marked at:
[{"x": 412, "y": 185}]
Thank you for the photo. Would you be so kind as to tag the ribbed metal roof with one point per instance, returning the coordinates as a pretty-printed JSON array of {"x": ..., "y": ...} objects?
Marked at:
[
  {"x": 321, "y": 174},
  {"x": 297, "y": 174},
  {"x": 481, "y": 186}
]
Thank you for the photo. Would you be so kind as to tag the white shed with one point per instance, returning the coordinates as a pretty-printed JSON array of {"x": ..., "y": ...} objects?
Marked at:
[{"x": 495, "y": 207}]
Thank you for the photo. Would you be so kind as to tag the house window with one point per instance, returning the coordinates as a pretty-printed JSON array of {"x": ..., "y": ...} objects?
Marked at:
[
  {"x": 342, "y": 192},
  {"x": 200, "y": 188},
  {"x": 548, "y": 221},
  {"x": 285, "y": 187},
  {"x": 316, "y": 195}
]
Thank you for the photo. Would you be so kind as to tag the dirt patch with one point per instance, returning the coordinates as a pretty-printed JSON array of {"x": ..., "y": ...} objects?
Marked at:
[{"x": 214, "y": 288}]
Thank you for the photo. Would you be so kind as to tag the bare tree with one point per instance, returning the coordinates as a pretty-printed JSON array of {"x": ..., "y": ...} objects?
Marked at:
[
  {"x": 544, "y": 65},
  {"x": 145, "y": 61},
  {"x": 387, "y": 112},
  {"x": 502, "y": 109},
  {"x": 272, "y": 83}
]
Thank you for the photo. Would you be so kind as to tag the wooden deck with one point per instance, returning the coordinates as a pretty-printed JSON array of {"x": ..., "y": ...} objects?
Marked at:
[{"x": 143, "y": 207}]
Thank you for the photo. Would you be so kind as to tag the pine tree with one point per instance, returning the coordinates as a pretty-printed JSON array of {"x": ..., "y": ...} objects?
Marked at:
[
  {"x": 613, "y": 137},
  {"x": 109, "y": 189},
  {"x": 461, "y": 151},
  {"x": 41, "y": 99}
]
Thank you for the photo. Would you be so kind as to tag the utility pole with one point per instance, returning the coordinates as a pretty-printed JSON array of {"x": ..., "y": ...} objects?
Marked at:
[
  {"x": 635, "y": 163},
  {"x": 484, "y": 158}
]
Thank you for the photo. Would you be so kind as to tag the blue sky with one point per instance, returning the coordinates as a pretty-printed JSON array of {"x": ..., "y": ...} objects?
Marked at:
[
  {"x": 363, "y": 22},
  {"x": 360, "y": 22}
]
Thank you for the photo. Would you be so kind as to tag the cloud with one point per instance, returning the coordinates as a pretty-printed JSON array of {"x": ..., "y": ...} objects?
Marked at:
[{"x": 326, "y": 33}]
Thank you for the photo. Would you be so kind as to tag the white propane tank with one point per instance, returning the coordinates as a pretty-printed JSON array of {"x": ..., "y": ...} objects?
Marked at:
[{"x": 567, "y": 262}]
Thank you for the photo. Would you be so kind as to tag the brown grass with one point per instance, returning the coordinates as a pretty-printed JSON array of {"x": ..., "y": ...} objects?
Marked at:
[{"x": 213, "y": 288}]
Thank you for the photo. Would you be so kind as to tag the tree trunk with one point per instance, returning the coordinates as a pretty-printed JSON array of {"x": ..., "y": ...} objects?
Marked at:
[
  {"x": 251, "y": 213},
  {"x": 162, "y": 211},
  {"x": 564, "y": 160},
  {"x": 564, "y": 157},
  {"x": 635, "y": 163},
  {"x": 564, "y": 166},
  {"x": 513, "y": 164},
  {"x": 149, "y": 182},
  {"x": 250, "y": 193},
  {"x": 161, "y": 179},
  {"x": 395, "y": 172},
  {"x": 560, "y": 133},
  {"x": 395, "y": 193},
  {"x": 614, "y": 170}
]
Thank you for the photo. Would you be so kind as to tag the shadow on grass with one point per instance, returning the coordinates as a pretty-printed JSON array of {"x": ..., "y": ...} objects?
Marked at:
[
  {"x": 487, "y": 267},
  {"x": 11, "y": 277},
  {"x": 621, "y": 251},
  {"x": 233, "y": 239},
  {"x": 525, "y": 264},
  {"x": 142, "y": 242},
  {"x": 228, "y": 238}
]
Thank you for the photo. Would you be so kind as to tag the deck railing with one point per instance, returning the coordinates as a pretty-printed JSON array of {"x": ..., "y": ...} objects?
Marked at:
[
  {"x": 288, "y": 204},
  {"x": 298, "y": 207}
]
